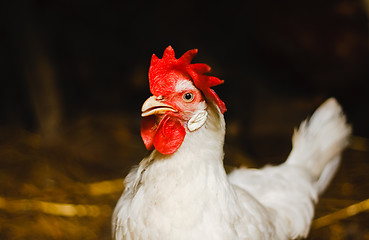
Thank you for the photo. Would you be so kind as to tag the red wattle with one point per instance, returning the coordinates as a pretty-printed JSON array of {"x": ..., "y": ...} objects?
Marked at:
[
  {"x": 166, "y": 137},
  {"x": 148, "y": 130}
]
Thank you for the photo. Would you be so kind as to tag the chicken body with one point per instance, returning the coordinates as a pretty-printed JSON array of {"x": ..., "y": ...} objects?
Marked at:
[{"x": 188, "y": 195}]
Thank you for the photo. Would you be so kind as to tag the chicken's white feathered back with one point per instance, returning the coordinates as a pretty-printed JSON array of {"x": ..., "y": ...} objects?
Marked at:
[
  {"x": 290, "y": 190},
  {"x": 318, "y": 143}
]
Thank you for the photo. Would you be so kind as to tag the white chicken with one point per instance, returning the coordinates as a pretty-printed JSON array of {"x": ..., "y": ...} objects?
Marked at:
[{"x": 181, "y": 190}]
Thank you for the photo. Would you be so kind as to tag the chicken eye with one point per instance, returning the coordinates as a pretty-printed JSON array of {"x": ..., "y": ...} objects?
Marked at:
[{"x": 188, "y": 97}]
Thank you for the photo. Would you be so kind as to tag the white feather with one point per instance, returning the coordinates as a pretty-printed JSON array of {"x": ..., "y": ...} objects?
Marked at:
[{"x": 187, "y": 195}]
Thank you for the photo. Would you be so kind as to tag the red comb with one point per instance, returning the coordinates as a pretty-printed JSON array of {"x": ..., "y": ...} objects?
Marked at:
[{"x": 165, "y": 72}]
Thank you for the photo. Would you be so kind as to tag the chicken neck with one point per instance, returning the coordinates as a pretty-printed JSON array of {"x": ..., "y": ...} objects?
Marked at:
[{"x": 182, "y": 185}]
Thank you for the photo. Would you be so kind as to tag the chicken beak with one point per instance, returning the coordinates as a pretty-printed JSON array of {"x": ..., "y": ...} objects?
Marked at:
[{"x": 153, "y": 106}]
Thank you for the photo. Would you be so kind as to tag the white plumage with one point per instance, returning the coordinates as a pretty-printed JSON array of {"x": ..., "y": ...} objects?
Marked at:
[{"x": 187, "y": 194}]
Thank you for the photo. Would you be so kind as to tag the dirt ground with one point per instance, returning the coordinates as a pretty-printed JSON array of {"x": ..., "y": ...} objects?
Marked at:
[{"x": 67, "y": 189}]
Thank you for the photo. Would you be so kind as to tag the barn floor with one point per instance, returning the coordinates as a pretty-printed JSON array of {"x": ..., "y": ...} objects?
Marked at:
[{"x": 66, "y": 188}]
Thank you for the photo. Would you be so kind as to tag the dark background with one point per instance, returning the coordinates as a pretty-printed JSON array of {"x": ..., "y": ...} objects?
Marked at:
[{"x": 73, "y": 76}]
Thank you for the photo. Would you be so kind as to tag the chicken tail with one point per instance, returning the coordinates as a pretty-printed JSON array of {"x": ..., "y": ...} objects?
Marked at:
[{"x": 318, "y": 143}]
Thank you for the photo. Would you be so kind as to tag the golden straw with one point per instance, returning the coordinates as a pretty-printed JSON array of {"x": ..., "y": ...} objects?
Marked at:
[
  {"x": 341, "y": 214},
  {"x": 58, "y": 209}
]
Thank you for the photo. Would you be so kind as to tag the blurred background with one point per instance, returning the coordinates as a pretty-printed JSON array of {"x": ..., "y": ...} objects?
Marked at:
[{"x": 73, "y": 76}]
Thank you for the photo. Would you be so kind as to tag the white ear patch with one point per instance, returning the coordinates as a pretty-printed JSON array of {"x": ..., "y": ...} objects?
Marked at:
[{"x": 197, "y": 121}]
